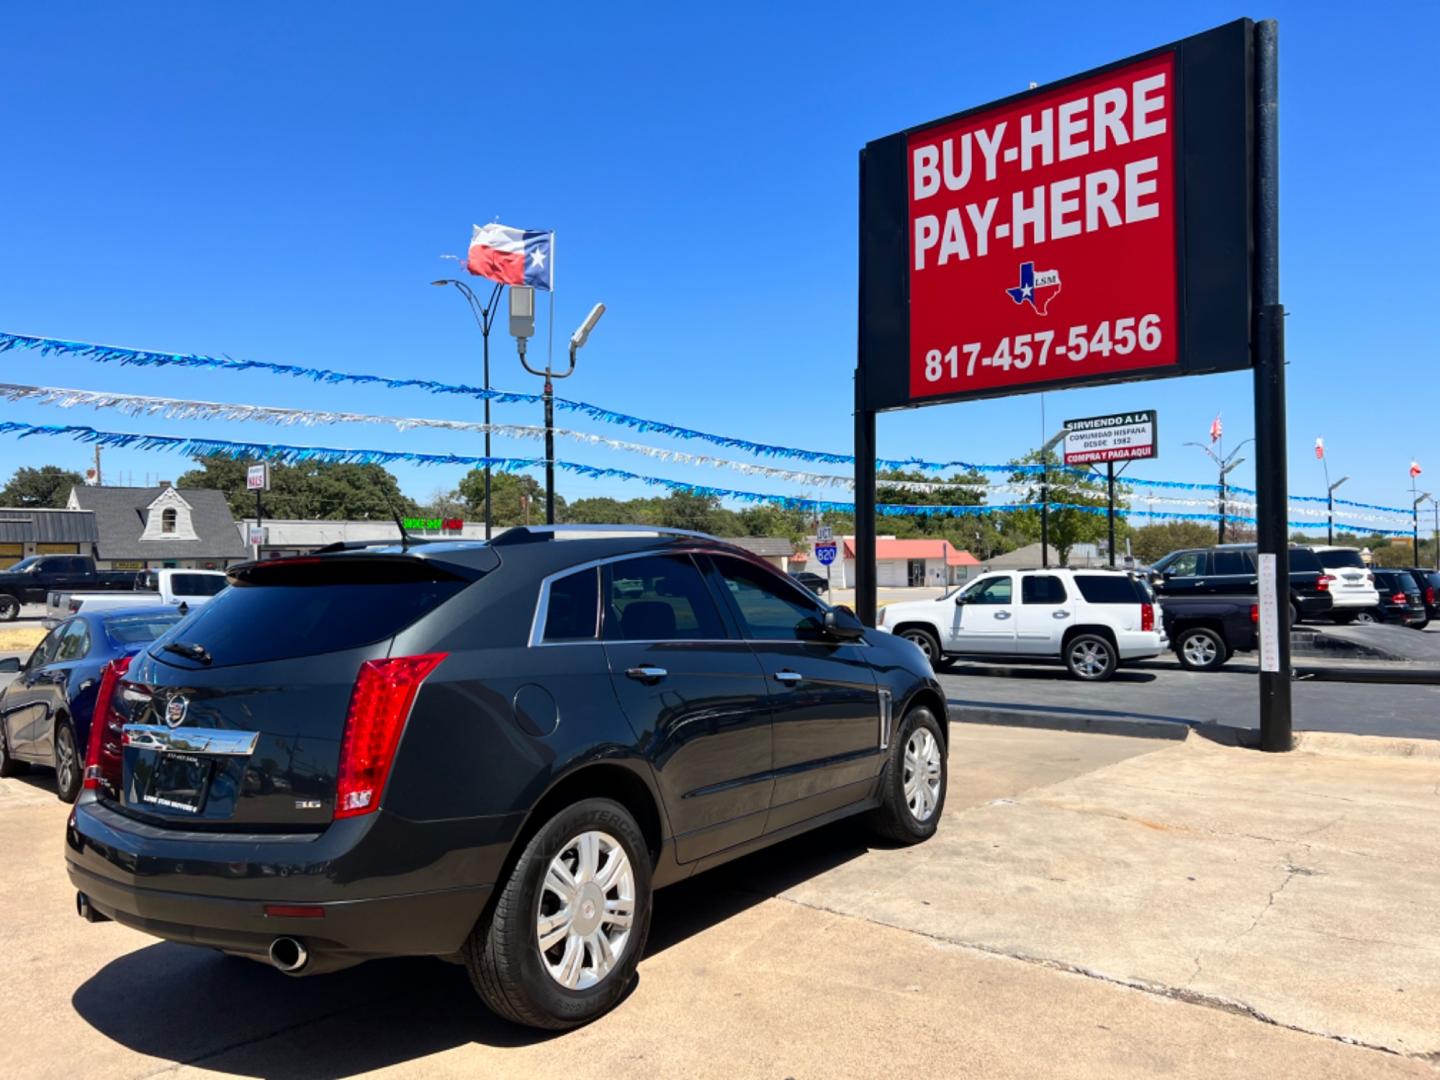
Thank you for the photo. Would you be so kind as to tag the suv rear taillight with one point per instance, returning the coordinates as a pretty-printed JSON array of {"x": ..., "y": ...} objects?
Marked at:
[
  {"x": 1323, "y": 582},
  {"x": 1399, "y": 598},
  {"x": 1147, "y": 616},
  {"x": 1254, "y": 613},
  {"x": 379, "y": 706},
  {"x": 1430, "y": 595},
  {"x": 103, "y": 764}
]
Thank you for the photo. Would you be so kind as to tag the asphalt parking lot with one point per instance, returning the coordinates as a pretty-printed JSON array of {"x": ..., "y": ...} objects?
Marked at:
[{"x": 1092, "y": 906}]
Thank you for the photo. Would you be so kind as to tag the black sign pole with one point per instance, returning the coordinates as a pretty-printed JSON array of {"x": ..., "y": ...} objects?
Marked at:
[
  {"x": 1110, "y": 486},
  {"x": 864, "y": 506},
  {"x": 1272, "y": 533}
]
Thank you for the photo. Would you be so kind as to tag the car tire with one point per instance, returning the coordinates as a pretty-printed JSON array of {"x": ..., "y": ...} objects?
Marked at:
[
  {"x": 69, "y": 766},
  {"x": 913, "y": 782},
  {"x": 1420, "y": 625},
  {"x": 9, "y": 608},
  {"x": 1201, "y": 649},
  {"x": 1365, "y": 618},
  {"x": 9, "y": 766},
  {"x": 1091, "y": 657},
  {"x": 509, "y": 969},
  {"x": 927, "y": 642},
  {"x": 1296, "y": 618}
]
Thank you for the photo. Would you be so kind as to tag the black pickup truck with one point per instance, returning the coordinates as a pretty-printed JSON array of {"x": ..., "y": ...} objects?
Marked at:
[
  {"x": 30, "y": 580},
  {"x": 1207, "y": 630}
]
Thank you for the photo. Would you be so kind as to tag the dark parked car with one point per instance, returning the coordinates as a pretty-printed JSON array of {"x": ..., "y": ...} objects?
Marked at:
[
  {"x": 816, "y": 583},
  {"x": 1429, "y": 582},
  {"x": 31, "y": 580},
  {"x": 1401, "y": 600},
  {"x": 45, "y": 712},
  {"x": 492, "y": 752},
  {"x": 1205, "y": 631},
  {"x": 1229, "y": 569}
]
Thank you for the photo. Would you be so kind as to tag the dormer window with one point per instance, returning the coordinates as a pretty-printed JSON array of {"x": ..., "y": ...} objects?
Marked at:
[{"x": 167, "y": 520}]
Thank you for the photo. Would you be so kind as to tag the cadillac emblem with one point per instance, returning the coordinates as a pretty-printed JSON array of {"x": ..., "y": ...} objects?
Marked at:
[{"x": 175, "y": 710}]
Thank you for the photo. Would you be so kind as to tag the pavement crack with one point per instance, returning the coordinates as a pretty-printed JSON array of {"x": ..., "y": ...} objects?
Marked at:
[{"x": 1183, "y": 994}]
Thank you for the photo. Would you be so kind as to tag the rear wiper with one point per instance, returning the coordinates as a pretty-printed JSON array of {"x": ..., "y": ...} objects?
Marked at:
[{"x": 194, "y": 652}]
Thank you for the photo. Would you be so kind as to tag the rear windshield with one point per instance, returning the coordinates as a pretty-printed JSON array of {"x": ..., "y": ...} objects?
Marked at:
[
  {"x": 1341, "y": 558},
  {"x": 1109, "y": 589},
  {"x": 196, "y": 584},
  {"x": 290, "y": 613},
  {"x": 138, "y": 629},
  {"x": 1392, "y": 579}
]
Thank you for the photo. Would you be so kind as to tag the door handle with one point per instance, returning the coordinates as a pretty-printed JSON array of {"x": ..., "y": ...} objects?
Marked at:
[
  {"x": 646, "y": 674},
  {"x": 1060, "y": 615},
  {"x": 1002, "y": 614},
  {"x": 789, "y": 676}
]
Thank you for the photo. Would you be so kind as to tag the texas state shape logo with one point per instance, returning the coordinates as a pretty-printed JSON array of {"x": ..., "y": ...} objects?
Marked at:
[{"x": 1037, "y": 288}]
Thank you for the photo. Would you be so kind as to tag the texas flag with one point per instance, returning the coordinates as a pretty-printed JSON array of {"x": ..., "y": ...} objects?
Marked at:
[
  {"x": 1414, "y": 468},
  {"x": 1217, "y": 429},
  {"x": 512, "y": 256},
  {"x": 1319, "y": 448}
]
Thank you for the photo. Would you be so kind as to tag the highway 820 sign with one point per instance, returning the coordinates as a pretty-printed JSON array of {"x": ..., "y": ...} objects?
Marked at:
[{"x": 1090, "y": 231}]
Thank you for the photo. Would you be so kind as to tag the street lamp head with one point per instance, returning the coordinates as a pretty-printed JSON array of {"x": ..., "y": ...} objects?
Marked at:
[
  {"x": 442, "y": 282},
  {"x": 1053, "y": 442},
  {"x": 1338, "y": 482},
  {"x": 522, "y": 311},
  {"x": 582, "y": 335}
]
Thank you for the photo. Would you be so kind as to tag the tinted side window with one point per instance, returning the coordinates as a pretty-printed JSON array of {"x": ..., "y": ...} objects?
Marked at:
[
  {"x": 1305, "y": 560},
  {"x": 1186, "y": 564},
  {"x": 1107, "y": 589},
  {"x": 1230, "y": 562},
  {"x": 74, "y": 643},
  {"x": 196, "y": 584},
  {"x": 1000, "y": 590},
  {"x": 572, "y": 613},
  {"x": 1042, "y": 589},
  {"x": 658, "y": 598},
  {"x": 770, "y": 609},
  {"x": 45, "y": 651}
]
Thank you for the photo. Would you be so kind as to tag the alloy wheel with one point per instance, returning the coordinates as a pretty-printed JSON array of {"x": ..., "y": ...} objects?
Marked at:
[
  {"x": 924, "y": 643},
  {"x": 65, "y": 759},
  {"x": 1200, "y": 650},
  {"x": 922, "y": 774},
  {"x": 1089, "y": 659},
  {"x": 587, "y": 906}
]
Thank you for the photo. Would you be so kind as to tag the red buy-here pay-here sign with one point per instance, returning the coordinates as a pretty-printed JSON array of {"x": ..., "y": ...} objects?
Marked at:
[{"x": 1043, "y": 237}]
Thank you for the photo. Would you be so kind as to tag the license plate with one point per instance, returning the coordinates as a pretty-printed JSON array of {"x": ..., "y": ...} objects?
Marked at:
[{"x": 179, "y": 782}]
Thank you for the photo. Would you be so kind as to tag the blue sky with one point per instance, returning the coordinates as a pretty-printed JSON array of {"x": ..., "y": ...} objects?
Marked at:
[{"x": 277, "y": 183}]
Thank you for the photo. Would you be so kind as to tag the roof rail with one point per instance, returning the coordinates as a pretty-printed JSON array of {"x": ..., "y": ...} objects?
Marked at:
[
  {"x": 356, "y": 545},
  {"x": 529, "y": 534}
]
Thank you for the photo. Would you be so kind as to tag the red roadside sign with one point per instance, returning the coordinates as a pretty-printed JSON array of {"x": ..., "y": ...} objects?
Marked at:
[{"x": 1039, "y": 214}]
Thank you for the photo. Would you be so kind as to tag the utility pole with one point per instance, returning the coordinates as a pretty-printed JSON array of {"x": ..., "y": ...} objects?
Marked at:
[
  {"x": 1415, "y": 518},
  {"x": 1226, "y": 465}
]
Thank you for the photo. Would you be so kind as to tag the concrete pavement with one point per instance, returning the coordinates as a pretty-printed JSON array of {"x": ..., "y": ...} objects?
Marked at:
[{"x": 1092, "y": 906}]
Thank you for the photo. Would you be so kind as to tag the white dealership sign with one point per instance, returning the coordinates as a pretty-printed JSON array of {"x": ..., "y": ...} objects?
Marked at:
[{"x": 1121, "y": 437}]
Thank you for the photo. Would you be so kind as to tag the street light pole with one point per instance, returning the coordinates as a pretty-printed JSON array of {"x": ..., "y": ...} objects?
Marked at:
[
  {"x": 1226, "y": 465},
  {"x": 1330, "y": 506},
  {"x": 484, "y": 318},
  {"x": 1415, "y": 518},
  {"x": 522, "y": 326}
]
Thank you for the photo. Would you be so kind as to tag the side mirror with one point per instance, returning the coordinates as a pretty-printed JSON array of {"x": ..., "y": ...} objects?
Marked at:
[
  {"x": 10, "y": 665},
  {"x": 842, "y": 624},
  {"x": 960, "y": 600}
]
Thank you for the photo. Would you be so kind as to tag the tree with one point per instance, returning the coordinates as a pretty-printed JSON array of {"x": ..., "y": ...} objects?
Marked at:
[
  {"x": 771, "y": 520},
  {"x": 45, "y": 488},
  {"x": 1067, "y": 527},
  {"x": 1150, "y": 542},
  {"x": 516, "y": 498},
  {"x": 600, "y": 511},
  {"x": 310, "y": 490}
]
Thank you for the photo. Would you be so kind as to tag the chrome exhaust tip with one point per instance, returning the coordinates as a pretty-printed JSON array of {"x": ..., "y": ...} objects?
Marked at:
[{"x": 288, "y": 955}]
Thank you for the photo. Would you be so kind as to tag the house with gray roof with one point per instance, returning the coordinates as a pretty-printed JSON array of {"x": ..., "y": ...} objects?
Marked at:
[{"x": 138, "y": 528}]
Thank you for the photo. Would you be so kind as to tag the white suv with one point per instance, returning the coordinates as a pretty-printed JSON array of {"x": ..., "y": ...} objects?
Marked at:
[
  {"x": 1350, "y": 582},
  {"x": 1089, "y": 620}
]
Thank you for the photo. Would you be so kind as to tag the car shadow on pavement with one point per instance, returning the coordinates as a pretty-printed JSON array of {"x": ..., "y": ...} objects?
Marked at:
[
  {"x": 195, "y": 1006},
  {"x": 1040, "y": 673}
]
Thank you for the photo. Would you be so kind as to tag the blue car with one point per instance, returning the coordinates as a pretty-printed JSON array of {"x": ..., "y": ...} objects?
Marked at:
[{"x": 45, "y": 711}]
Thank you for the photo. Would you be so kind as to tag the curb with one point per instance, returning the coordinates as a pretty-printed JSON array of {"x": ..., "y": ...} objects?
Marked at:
[
  {"x": 1174, "y": 730},
  {"x": 1337, "y": 744}
]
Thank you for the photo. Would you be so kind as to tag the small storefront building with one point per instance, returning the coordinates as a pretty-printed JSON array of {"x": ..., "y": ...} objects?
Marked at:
[{"x": 25, "y": 532}]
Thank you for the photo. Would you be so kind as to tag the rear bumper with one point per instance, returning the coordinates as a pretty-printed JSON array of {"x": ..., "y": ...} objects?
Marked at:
[
  {"x": 348, "y": 931},
  {"x": 378, "y": 888},
  {"x": 1354, "y": 601},
  {"x": 1140, "y": 644}
]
